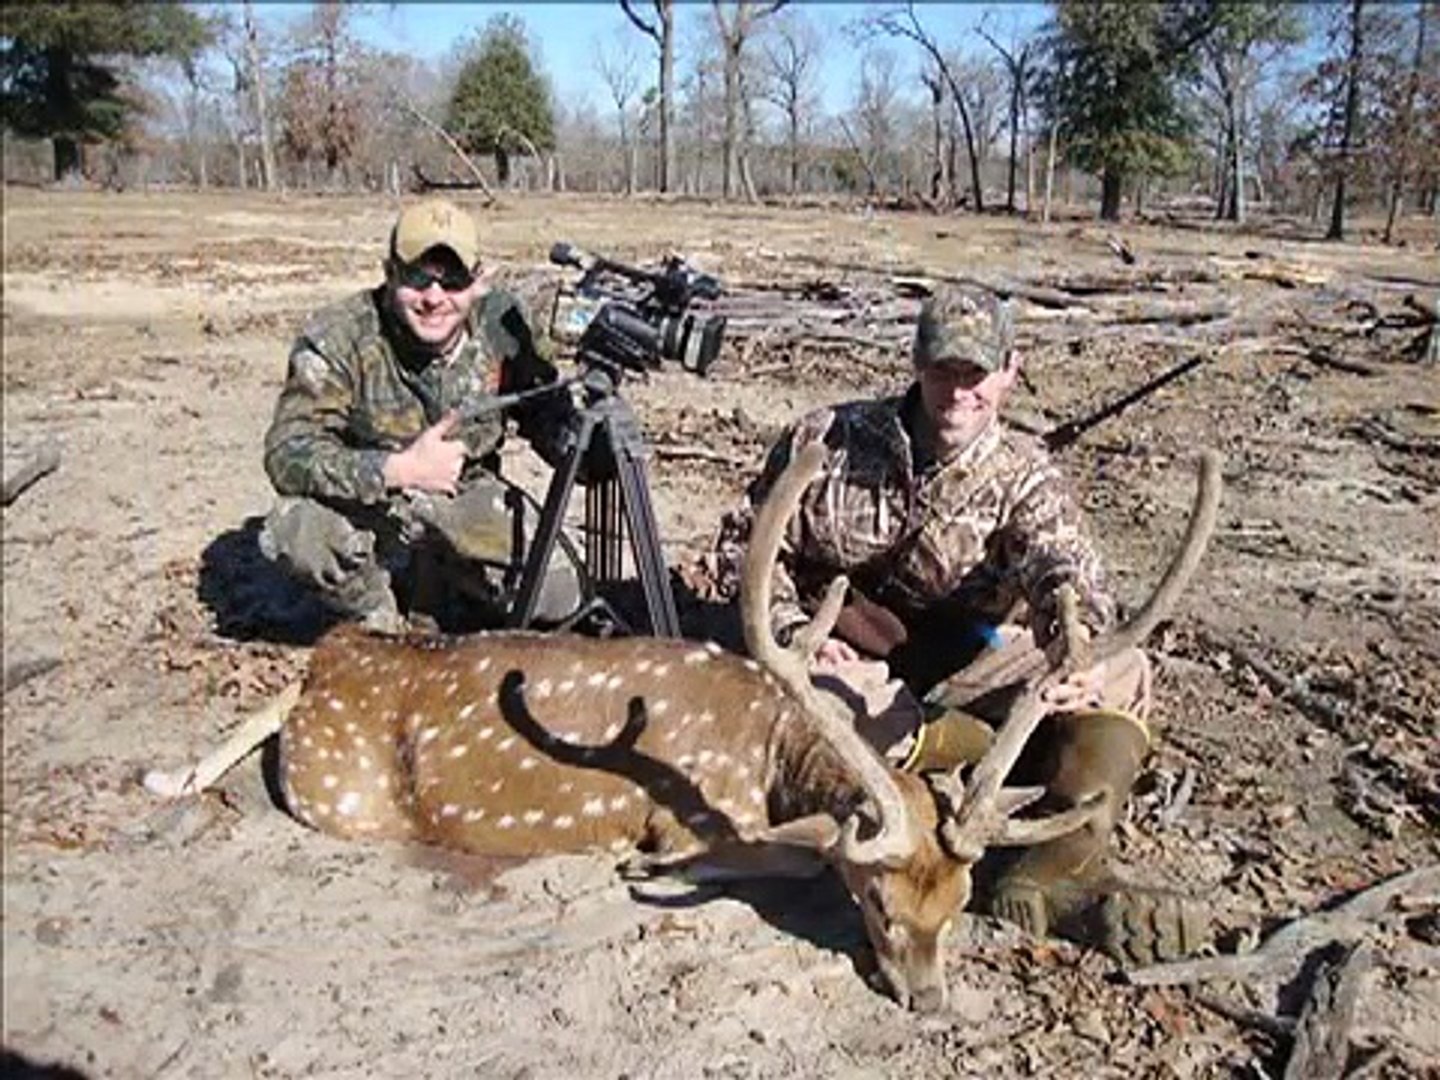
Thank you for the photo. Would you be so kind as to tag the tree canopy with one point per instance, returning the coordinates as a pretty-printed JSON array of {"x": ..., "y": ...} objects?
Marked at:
[
  {"x": 1111, "y": 87},
  {"x": 61, "y": 67},
  {"x": 501, "y": 103}
]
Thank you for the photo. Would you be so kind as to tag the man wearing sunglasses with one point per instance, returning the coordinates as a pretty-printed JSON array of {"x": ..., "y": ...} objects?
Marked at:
[{"x": 385, "y": 457}]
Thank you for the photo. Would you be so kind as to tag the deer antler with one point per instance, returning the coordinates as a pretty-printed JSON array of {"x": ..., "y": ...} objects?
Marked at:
[
  {"x": 895, "y": 838},
  {"x": 984, "y": 818}
]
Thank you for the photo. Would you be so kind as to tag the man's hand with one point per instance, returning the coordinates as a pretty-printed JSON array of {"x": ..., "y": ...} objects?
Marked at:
[
  {"x": 432, "y": 462},
  {"x": 1083, "y": 688},
  {"x": 833, "y": 651}
]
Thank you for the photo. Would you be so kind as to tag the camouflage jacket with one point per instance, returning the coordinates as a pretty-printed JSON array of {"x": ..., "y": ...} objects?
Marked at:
[
  {"x": 351, "y": 397},
  {"x": 991, "y": 527}
]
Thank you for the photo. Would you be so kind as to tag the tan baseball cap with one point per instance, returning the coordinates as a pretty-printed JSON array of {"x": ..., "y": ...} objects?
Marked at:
[
  {"x": 435, "y": 223},
  {"x": 964, "y": 325}
]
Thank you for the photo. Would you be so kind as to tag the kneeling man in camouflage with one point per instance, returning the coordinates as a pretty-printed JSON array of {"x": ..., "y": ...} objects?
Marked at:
[
  {"x": 957, "y": 534},
  {"x": 385, "y": 455}
]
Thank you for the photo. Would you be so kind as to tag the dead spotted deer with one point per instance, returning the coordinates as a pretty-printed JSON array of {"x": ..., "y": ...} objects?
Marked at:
[{"x": 711, "y": 764}]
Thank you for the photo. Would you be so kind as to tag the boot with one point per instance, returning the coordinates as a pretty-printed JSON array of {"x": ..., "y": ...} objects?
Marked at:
[
  {"x": 1065, "y": 887},
  {"x": 952, "y": 738}
]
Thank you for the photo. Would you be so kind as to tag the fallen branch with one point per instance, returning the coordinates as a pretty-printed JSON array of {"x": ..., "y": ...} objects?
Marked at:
[
  {"x": 22, "y": 671},
  {"x": 1322, "y": 1033},
  {"x": 414, "y": 110},
  {"x": 1284, "y": 950},
  {"x": 1331, "y": 714},
  {"x": 696, "y": 453},
  {"x": 1323, "y": 357},
  {"x": 32, "y": 467}
]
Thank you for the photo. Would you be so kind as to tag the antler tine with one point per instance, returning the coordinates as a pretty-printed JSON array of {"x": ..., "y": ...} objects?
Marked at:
[
  {"x": 982, "y": 819},
  {"x": 895, "y": 838}
]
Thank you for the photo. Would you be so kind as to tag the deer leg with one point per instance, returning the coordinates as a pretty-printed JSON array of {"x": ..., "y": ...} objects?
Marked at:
[
  {"x": 791, "y": 850},
  {"x": 255, "y": 730}
]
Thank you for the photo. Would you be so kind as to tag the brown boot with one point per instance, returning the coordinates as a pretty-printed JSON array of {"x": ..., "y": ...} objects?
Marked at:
[{"x": 1064, "y": 887}]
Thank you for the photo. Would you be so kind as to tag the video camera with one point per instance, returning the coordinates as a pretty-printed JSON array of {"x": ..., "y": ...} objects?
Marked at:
[{"x": 639, "y": 324}]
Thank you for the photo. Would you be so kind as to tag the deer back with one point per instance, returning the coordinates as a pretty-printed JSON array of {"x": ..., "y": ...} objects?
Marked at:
[{"x": 518, "y": 744}]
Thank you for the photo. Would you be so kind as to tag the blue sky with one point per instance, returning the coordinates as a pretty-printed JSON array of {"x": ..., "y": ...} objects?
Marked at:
[{"x": 567, "y": 34}]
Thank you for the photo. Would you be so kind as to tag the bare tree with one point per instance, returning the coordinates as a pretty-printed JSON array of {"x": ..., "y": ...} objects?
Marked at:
[
  {"x": 662, "y": 32},
  {"x": 1017, "y": 61},
  {"x": 255, "y": 75},
  {"x": 1403, "y": 143},
  {"x": 618, "y": 70},
  {"x": 1353, "y": 65},
  {"x": 875, "y": 113},
  {"x": 791, "y": 63},
  {"x": 735, "y": 30},
  {"x": 906, "y": 24}
]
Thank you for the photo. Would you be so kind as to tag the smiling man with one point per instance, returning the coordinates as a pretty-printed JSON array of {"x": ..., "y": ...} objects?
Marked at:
[
  {"x": 957, "y": 534},
  {"x": 384, "y": 455}
]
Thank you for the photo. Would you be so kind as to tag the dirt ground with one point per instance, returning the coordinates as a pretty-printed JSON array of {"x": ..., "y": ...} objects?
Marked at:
[{"x": 1300, "y": 680}]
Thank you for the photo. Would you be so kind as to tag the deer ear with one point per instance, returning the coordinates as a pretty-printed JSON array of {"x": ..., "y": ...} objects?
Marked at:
[{"x": 818, "y": 832}]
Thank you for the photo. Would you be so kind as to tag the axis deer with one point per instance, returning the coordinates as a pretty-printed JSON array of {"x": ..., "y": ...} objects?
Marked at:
[{"x": 710, "y": 764}]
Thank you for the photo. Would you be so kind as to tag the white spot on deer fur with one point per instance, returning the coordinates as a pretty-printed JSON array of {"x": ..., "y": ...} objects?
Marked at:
[
  {"x": 527, "y": 763},
  {"x": 566, "y": 788},
  {"x": 348, "y": 804},
  {"x": 506, "y": 822},
  {"x": 756, "y": 795},
  {"x": 336, "y": 704},
  {"x": 459, "y": 751},
  {"x": 486, "y": 732},
  {"x": 360, "y": 741},
  {"x": 497, "y": 785},
  {"x": 577, "y": 666},
  {"x": 364, "y": 762},
  {"x": 619, "y": 845},
  {"x": 613, "y": 730},
  {"x": 754, "y": 705},
  {"x": 475, "y": 814},
  {"x": 383, "y": 783},
  {"x": 618, "y": 803},
  {"x": 534, "y": 817},
  {"x": 452, "y": 688},
  {"x": 705, "y": 756},
  {"x": 699, "y": 656},
  {"x": 329, "y": 782},
  {"x": 323, "y": 809},
  {"x": 598, "y": 679},
  {"x": 464, "y": 714},
  {"x": 566, "y": 686},
  {"x": 307, "y": 742},
  {"x": 685, "y": 760},
  {"x": 428, "y": 734},
  {"x": 593, "y": 807},
  {"x": 756, "y": 753},
  {"x": 351, "y": 727},
  {"x": 671, "y": 735},
  {"x": 544, "y": 688},
  {"x": 322, "y": 754},
  {"x": 751, "y": 665},
  {"x": 712, "y": 648},
  {"x": 660, "y": 708},
  {"x": 707, "y": 717},
  {"x": 482, "y": 665},
  {"x": 614, "y": 682},
  {"x": 661, "y": 670},
  {"x": 642, "y": 666},
  {"x": 449, "y": 810},
  {"x": 505, "y": 743},
  {"x": 564, "y": 821}
]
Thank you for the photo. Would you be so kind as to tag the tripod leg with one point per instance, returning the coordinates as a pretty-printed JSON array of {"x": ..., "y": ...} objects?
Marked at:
[
  {"x": 645, "y": 538},
  {"x": 552, "y": 516}
]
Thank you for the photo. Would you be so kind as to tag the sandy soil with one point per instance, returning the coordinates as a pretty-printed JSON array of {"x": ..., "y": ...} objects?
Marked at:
[{"x": 147, "y": 336}]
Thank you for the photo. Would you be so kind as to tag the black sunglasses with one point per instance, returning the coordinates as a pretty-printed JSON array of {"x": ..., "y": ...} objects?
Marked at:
[{"x": 416, "y": 276}]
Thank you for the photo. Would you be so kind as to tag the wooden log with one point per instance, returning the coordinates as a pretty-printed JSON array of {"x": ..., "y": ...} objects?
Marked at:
[
  {"x": 1322, "y": 1033},
  {"x": 1284, "y": 950},
  {"x": 39, "y": 463}
]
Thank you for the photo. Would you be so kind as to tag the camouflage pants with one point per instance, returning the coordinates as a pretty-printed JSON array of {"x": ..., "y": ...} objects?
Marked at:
[{"x": 457, "y": 559}]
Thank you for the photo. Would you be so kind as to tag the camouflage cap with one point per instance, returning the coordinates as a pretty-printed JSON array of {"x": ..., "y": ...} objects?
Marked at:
[
  {"x": 435, "y": 223},
  {"x": 964, "y": 325}
]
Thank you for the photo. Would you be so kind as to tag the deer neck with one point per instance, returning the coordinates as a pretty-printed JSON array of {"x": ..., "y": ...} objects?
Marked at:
[{"x": 808, "y": 776}]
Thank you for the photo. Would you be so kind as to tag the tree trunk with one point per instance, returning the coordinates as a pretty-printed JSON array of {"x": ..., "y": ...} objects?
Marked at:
[
  {"x": 69, "y": 162},
  {"x": 257, "y": 80},
  {"x": 1352, "y": 111},
  {"x": 1237, "y": 150},
  {"x": 1112, "y": 184},
  {"x": 730, "y": 139},
  {"x": 666, "y": 10},
  {"x": 1402, "y": 149},
  {"x": 1014, "y": 143},
  {"x": 1050, "y": 170},
  {"x": 794, "y": 141},
  {"x": 502, "y": 167}
]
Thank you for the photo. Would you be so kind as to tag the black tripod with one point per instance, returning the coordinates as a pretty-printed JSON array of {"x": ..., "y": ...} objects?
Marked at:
[{"x": 617, "y": 501}]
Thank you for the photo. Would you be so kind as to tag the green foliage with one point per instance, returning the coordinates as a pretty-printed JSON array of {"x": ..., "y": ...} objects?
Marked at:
[
  {"x": 500, "y": 97},
  {"x": 1112, "y": 78},
  {"x": 59, "y": 75}
]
